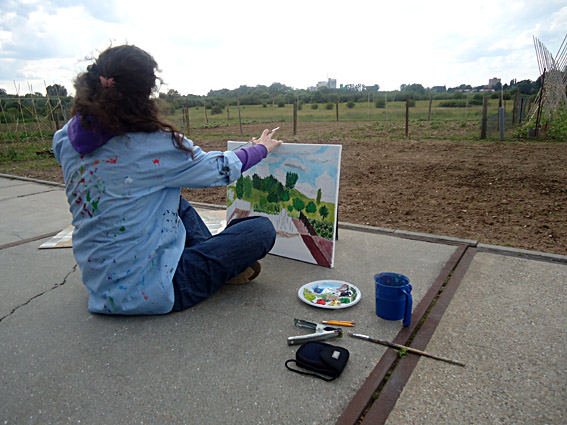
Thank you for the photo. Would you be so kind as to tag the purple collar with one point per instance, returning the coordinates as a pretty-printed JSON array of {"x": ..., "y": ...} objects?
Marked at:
[{"x": 87, "y": 141}]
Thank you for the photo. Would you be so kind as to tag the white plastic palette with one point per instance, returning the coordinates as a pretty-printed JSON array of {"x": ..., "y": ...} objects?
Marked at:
[{"x": 331, "y": 294}]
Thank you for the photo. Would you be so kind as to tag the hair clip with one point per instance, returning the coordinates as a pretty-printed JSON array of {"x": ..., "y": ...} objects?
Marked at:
[{"x": 106, "y": 83}]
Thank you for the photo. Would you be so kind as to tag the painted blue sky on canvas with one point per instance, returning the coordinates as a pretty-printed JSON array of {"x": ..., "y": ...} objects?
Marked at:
[{"x": 318, "y": 167}]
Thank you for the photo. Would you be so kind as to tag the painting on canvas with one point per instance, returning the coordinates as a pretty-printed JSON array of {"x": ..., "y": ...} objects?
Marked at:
[{"x": 297, "y": 188}]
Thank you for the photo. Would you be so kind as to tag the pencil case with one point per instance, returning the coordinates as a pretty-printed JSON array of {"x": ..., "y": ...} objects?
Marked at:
[{"x": 319, "y": 359}]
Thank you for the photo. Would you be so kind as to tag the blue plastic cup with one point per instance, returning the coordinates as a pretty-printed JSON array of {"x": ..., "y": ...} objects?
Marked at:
[{"x": 393, "y": 297}]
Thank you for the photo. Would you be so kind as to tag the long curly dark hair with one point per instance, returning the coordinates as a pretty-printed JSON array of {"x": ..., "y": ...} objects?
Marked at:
[{"x": 116, "y": 90}]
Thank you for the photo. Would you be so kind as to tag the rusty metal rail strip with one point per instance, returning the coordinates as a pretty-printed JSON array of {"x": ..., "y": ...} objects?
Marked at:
[
  {"x": 379, "y": 411},
  {"x": 363, "y": 399}
]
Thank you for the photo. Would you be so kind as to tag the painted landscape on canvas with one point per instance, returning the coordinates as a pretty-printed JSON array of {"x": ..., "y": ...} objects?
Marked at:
[{"x": 297, "y": 188}]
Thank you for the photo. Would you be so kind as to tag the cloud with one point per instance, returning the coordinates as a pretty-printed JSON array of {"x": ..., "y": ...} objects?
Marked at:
[
  {"x": 328, "y": 187},
  {"x": 280, "y": 174},
  {"x": 324, "y": 182},
  {"x": 307, "y": 189},
  {"x": 46, "y": 41},
  {"x": 262, "y": 169},
  {"x": 202, "y": 46},
  {"x": 295, "y": 164},
  {"x": 31, "y": 36},
  {"x": 103, "y": 10}
]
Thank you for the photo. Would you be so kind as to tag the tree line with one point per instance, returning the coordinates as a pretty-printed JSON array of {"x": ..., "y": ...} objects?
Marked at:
[
  {"x": 280, "y": 94},
  {"x": 15, "y": 107},
  {"x": 277, "y": 193}
]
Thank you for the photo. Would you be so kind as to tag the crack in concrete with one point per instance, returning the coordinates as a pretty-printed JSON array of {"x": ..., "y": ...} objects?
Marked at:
[
  {"x": 29, "y": 194},
  {"x": 36, "y": 193},
  {"x": 57, "y": 285}
]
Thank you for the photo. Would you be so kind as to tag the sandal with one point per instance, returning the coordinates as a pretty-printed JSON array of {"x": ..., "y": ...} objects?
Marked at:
[{"x": 247, "y": 275}]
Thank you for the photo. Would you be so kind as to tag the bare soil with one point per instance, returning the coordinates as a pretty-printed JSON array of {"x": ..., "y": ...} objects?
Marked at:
[{"x": 437, "y": 181}]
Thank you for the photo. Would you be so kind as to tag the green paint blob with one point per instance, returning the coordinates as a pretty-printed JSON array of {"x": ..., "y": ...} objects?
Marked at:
[
  {"x": 122, "y": 228},
  {"x": 308, "y": 295}
]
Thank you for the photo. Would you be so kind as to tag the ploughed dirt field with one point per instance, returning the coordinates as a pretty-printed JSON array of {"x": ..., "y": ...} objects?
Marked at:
[{"x": 441, "y": 181}]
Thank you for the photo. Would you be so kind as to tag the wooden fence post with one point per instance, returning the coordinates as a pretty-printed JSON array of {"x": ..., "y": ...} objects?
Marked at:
[
  {"x": 227, "y": 113},
  {"x": 429, "y": 113},
  {"x": 501, "y": 119},
  {"x": 295, "y": 118},
  {"x": 239, "y": 116},
  {"x": 499, "y": 106},
  {"x": 407, "y": 115},
  {"x": 515, "y": 109},
  {"x": 337, "y": 107},
  {"x": 187, "y": 123},
  {"x": 484, "y": 117}
]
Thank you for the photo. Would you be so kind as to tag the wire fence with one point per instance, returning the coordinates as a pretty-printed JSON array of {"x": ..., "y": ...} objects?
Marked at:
[
  {"x": 420, "y": 114},
  {"x": 34, "y": 116}
]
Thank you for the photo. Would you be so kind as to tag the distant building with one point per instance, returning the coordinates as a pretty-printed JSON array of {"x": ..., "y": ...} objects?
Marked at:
[
  {"x": 330, "y": 83},
  {"x": 493, "y": 82}
]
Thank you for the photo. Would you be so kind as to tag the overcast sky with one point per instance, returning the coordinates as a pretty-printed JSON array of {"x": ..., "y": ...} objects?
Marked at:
[{"x": 219, "y": 44}]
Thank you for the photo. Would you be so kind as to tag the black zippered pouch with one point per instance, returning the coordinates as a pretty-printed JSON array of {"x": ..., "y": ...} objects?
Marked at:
[{"x": 324, "y": 361}]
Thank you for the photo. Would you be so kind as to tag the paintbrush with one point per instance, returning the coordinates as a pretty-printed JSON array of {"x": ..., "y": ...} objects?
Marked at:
[
  {"x": 252, "y": 141},
  {"x": 408, "y": 349}
]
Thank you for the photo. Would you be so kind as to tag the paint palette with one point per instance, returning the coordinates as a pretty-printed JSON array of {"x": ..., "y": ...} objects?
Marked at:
[{"x": 331, "y": 294}]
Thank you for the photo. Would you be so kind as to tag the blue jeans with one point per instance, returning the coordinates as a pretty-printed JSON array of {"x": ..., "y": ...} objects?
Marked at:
[{"x": 209, "y": 261}]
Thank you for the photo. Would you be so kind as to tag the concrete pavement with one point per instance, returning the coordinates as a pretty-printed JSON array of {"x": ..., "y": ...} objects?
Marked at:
[{"x": 223, "y": 360}]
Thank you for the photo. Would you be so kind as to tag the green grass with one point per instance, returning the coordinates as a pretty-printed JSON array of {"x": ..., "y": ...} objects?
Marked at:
[
  {"x": 394, "y": 111},
  {"x": 22, "y": 150}
]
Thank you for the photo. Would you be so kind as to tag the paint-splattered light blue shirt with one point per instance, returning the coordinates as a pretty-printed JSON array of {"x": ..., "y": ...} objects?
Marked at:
[{"x": 124, "y": 199}]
